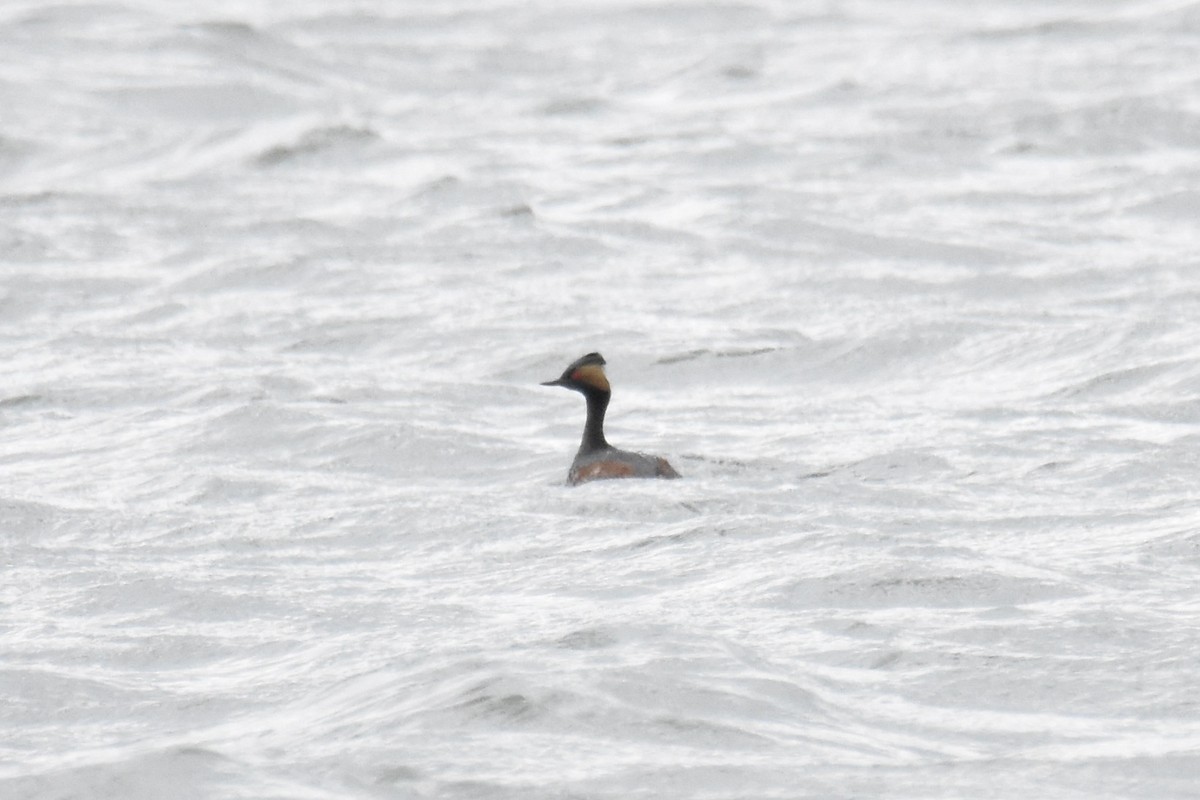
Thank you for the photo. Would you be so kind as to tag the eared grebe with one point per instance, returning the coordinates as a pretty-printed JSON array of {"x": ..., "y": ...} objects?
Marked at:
[{"x": 597, "y": 459}]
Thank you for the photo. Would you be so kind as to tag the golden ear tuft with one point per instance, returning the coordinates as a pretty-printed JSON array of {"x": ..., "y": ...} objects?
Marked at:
[{"x": 591, "y": 375}]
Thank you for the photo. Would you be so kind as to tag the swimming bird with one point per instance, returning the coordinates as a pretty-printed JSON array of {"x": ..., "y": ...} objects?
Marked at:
[{"x": 597, "y": 459}]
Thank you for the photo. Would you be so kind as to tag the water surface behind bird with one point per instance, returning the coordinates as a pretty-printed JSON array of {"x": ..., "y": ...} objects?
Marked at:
[{"x": 908, "y": 295}]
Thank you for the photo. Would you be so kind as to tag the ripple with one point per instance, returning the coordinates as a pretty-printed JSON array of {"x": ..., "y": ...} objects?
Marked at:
[
  {"x": 912, "y": 289},
  {"x": 321, "y": 141}
]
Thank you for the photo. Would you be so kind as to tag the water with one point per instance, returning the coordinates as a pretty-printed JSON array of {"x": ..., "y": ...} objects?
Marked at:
[{"x": 909, "y": 294}]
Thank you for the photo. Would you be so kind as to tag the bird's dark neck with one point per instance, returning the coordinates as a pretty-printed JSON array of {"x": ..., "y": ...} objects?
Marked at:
[{"x": 593, "y": 429}]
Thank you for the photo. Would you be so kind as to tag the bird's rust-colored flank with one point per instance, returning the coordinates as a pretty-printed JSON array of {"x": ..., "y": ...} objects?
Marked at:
[
  {"x": 599, "y": 471},
  {"x": 597, "y": 460}
]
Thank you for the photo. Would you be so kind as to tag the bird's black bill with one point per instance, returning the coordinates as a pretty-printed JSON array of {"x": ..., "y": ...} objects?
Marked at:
[{"x": 555, "y": 382}]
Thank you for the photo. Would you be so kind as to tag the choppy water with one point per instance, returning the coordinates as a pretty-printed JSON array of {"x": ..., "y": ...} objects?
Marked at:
[{"x": 910, "y": 293}]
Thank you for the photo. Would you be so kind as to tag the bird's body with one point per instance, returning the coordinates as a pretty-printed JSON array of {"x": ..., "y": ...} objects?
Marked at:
[
  {"x": 613, "y": 463},
  {"x": 597, "y": 459}
]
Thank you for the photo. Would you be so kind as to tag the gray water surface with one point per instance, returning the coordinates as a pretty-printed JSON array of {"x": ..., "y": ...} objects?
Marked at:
[{"x": 909, "y": 293}]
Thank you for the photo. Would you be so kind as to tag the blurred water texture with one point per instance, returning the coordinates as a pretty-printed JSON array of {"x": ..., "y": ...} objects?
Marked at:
[{"x": 908, "y": 293}]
